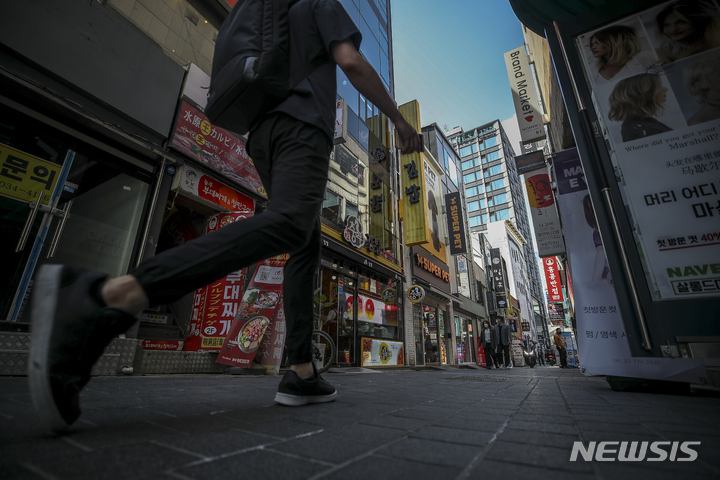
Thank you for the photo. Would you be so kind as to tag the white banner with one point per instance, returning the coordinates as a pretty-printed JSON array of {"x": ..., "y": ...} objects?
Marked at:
[
  {"x": 544, "y": 213},
  {"x": 603, "y": 348},
  {"x": 523, "y": 92}
]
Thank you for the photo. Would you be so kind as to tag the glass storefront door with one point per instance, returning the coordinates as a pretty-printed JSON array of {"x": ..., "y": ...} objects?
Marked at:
[{"x": 104, "y": 199}]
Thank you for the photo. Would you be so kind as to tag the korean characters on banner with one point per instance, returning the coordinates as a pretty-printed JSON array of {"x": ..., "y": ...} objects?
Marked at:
[
  {"x": 456, "y": 225},
  {"x": 595, "y": 302},
  {"x": 543, "y": 213},
  {"x": 661, "y": 112},
  {"x": 24, "y": 176},
  {"x": 259, "y": 308},
  {"x": 215, "y": 305},
  {"x": 414, "y": 197},
  {"x": 220, "y": 149},
  {"x": 273, "y": 344},
  {"x": 498, "y": 277},
  {"x": 552, "y": 278}
]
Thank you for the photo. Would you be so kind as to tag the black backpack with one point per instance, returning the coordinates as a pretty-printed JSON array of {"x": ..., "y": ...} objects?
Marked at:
[{"x": 251, "y": 64}]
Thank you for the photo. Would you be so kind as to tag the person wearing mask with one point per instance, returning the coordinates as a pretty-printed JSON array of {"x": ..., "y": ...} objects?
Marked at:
[
  {"x": 489, "y": 346},
  {"x": 562, "y": 353},
  {"x": 501, "y": 332}
]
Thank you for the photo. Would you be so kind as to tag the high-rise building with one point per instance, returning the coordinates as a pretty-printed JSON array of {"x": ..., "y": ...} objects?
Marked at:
[{"x": 494, "y": 191}]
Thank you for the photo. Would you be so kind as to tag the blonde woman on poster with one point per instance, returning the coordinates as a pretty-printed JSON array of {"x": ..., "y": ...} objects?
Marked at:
[
  {"x": 616, "y": 50},
  {"x": 635, "y": 102},
  {"x": 702, "y": 80},
  {"x": 687, "y": 27}
]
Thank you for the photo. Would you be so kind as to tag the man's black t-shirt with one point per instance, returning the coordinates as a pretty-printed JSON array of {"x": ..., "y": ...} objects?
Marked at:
[{"x": 314, "y": 25}]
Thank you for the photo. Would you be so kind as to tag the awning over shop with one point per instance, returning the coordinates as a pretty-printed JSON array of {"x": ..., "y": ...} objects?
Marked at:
[{"x": 538, "y": 15}]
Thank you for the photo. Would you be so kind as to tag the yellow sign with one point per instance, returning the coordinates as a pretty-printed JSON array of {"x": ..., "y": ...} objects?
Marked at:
[
  {"x": 413, "y": 184},
  {"x": 23, "y": 176}
]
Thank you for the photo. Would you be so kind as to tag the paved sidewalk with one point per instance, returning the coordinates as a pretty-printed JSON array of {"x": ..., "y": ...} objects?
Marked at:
[{"x": 447, "y": 424}]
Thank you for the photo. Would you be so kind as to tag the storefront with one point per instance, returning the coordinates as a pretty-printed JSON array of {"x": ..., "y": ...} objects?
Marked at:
[
  {"x": 468, "y": 317},
  {"x": 98, "y": 206},
  {"x": 436, "y": 332},
  {"x": 358, "y": 304}
]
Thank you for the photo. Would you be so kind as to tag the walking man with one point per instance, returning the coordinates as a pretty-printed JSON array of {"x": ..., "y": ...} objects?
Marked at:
[
  {"x": 501, "y": 334},
  {"x": 76, "y": 313},
  {"x": 562, "y": 353}
]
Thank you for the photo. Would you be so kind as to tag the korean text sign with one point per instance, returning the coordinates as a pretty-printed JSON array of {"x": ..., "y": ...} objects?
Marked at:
[
  {"x": 413, "y": 184},
  {"x": 260, "y": 305},
  {"x": 24, "y": 176},
  {"x": 552, "y": 279},
  {"x": 196, "y": 137}
]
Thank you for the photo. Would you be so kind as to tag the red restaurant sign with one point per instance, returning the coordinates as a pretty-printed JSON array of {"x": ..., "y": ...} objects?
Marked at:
[
  {"x": 552, "y": 278},
  {"x": 220, "y": 149}
]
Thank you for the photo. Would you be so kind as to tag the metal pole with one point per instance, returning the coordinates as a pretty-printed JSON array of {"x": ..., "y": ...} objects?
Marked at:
[{"x": 605, "y": 190}]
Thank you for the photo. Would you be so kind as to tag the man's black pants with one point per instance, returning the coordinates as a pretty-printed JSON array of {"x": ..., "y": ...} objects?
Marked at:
[
  {"x": 292, "y": 160},
  {"x": 503, "y": 350}
]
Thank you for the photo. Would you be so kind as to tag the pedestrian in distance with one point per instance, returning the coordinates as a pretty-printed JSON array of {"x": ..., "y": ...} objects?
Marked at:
[
  {"x": 76, "y": 312},
  {"x": 489, "y": 343},
  {"x": 562, "y": 352},
  {"x": 501, "y": 333}
]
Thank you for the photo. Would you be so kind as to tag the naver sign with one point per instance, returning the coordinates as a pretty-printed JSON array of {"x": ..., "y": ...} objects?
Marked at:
[{"x": 635, "y": 451}]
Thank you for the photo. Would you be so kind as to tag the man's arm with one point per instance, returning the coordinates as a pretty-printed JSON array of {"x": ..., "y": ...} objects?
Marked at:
[{"x": 364, "y": 77}]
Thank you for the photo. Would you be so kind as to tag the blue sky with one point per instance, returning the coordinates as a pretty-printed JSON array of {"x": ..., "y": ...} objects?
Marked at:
[{"x": 449, "y": 56}]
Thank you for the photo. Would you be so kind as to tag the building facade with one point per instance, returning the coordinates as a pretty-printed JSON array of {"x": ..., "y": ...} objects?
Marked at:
[
  {"x": 109, "y": 96},
  {"x": 495, "y": 193}
]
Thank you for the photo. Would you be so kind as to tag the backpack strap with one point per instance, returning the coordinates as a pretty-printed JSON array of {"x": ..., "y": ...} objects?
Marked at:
[{"x": 303, "y": 73}]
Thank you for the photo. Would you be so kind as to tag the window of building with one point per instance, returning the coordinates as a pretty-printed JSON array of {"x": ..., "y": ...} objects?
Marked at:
[
  {"x": 503, "y": 214},
  {"x": 497, "y": 200},
  {"x": 473, "y": 206},
  {"x": 490, "y": 142},
  {"x": 499, "y": 183},
  {"x": 471, "y": 192},
  {"x": 331, "y": 206},
  {"x": 468, "y": 150},
  {"x": 493, "y": 156},
  {"x": 489, "y": 172},
  {"x": 483, "y": 219},
  {"x": 470, "y": 177},
  {"x": 469, "y": 164}
]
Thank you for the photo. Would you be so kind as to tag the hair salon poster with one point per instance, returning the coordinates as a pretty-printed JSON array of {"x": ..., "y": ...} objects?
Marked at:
[
  {"x": 603, "y": 347},
  {"x": 655, "y": 82}
]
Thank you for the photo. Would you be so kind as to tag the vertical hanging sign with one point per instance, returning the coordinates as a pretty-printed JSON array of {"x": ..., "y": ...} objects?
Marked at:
[
  {"x": 413, "y": 183},
  {"x": 498, "y": 278},
  {"x": 552, "y": 278},
  {"x": 523, "y": 91},
  {"x": 456, "y": 227}
]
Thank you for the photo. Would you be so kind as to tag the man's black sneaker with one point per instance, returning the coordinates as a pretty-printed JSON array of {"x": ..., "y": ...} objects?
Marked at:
[
  {"x": 70, "y": 329},
  {"x": 293, "y": 391}
]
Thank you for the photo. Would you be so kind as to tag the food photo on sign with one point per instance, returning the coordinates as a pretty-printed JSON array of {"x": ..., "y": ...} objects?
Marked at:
[{"x": 259, "y": 309}]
